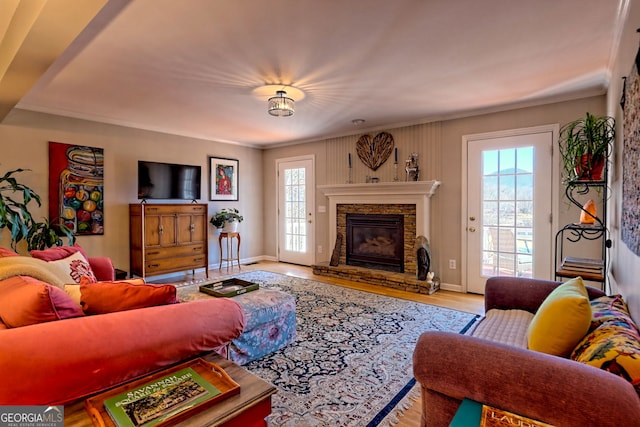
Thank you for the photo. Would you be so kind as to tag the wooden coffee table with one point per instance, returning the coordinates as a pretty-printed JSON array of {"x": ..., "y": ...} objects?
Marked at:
[{"x": 249, "y": 408}]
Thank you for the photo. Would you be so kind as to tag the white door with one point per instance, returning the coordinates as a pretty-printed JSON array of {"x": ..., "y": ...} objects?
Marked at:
[
  {"x": 509, "y": 205},
  {"x": 296, "y": 224}
]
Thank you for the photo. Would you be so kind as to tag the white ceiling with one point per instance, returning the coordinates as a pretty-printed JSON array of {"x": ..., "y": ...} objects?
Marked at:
[{"x": 191, "y": 67}]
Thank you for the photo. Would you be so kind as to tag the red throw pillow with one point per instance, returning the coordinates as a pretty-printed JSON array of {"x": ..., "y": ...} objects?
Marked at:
[
  {"x": 107, "y": 297},
  {"x": 26, "y": 301},
  {"x": 5, "y": 252},
  {"x": 57, "y": 252}
]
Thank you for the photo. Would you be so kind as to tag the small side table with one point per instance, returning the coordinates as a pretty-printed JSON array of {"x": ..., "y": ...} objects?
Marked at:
[
  {"x": 229, "y": 236},
  {"x": 121, "y": 274}
]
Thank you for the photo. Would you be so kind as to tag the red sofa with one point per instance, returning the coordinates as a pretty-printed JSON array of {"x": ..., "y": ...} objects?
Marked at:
[{"x": 60, "y": 361}]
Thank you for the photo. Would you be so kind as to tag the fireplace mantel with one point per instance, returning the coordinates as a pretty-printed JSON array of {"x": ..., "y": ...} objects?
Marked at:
[{"x": 412, "y": 192}]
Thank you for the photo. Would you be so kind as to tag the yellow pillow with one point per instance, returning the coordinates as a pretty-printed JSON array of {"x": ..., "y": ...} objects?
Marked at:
[{"x": 562, "y": 320}]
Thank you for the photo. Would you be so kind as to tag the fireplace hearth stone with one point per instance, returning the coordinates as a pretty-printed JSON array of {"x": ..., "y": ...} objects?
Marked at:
[{"x": 401, "y": 281}]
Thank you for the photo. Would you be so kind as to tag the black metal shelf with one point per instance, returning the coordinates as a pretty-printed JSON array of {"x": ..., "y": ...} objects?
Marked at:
[{"x": 575, "y": 232}]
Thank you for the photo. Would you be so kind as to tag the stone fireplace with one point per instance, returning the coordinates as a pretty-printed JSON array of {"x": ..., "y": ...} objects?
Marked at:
[
  {"x": 375, "y": 241},
  {"x": 409, "y": 200}
]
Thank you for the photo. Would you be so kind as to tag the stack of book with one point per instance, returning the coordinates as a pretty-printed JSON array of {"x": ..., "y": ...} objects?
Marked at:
[{"x": 583, "y": 265}]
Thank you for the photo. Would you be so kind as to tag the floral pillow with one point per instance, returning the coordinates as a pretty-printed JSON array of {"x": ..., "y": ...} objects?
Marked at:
[
  {"x": 73, "y": 268},
  {"x": 614, "y": 342},
  {"x": 611, "y": 309}
]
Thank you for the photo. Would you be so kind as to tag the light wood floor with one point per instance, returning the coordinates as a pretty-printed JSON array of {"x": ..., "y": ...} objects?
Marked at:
[{"x": 453, "y": 300}]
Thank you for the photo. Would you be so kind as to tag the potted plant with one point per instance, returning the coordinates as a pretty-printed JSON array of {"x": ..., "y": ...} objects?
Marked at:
[
  {"x": 15, "y": 216},
  {"x": 227, "y": 219},
  {"x": 584, "y": 146}
]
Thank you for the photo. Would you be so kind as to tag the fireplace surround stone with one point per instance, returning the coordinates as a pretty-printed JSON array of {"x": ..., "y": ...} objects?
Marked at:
[{"x": 412, "y": 199}]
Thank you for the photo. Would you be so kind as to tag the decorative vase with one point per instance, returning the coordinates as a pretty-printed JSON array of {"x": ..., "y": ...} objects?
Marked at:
[{"x": 230, "y": 227}]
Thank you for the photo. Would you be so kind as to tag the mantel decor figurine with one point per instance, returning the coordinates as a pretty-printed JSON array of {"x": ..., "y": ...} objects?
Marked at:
[{"x": 411, "y": 168}]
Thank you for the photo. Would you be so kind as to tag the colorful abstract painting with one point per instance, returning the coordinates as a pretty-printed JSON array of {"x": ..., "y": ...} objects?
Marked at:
[{"x": 76, "y": 187}]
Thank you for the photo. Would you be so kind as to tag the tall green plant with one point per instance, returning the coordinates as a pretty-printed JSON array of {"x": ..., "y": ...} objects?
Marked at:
[
  {"x": 15, "y": 216},
  {"x": 584, "y": 144}
]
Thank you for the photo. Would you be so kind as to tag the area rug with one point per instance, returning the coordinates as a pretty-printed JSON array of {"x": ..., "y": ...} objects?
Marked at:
[{"x": 351, "y": 364}]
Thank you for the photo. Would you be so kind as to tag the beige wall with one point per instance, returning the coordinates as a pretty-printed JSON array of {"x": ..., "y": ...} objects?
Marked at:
[
  {"x": 625, "y": 265},
  {"x": 25, "y": 137},
  {"x": 440, "y": 148}
]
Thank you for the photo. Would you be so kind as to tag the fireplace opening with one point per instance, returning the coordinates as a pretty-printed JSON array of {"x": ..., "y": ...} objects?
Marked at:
[{"x": 375, "y": 241}]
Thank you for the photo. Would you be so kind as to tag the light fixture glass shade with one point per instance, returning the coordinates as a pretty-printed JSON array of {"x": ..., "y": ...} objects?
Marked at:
[{"x": 280, "y": 105}]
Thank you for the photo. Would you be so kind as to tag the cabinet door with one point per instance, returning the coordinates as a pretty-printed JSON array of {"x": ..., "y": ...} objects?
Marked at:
[
  {"x": 168, "y": 230},
  {"x": 200, "y": 229},
  {"x": 185, "y": 229},
  {"x": 152, "y": 231}
]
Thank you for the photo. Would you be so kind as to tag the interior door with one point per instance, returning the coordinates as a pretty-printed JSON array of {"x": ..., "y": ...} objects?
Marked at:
[
  {"x": 509, "y": 206},
  {"x": 296, "y": 195}
]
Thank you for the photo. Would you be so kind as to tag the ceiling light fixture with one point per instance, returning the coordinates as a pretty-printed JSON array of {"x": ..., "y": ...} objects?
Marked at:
[{"x": 280, "y": 105}]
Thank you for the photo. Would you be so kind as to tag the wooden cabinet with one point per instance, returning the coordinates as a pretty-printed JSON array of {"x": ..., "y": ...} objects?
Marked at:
[{"x": 166, "y": 238}]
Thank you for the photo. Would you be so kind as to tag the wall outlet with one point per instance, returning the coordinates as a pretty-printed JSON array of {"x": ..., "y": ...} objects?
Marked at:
[
  {"x": 452, "y": 264},
  {"x": 319, "y": 249}
]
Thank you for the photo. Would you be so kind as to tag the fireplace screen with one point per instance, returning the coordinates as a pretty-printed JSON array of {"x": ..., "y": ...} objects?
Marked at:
[{"x": 375, "y": 241}]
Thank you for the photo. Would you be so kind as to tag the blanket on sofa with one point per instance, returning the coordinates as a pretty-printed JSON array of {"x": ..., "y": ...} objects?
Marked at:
[{"x": 32, "y": 267}]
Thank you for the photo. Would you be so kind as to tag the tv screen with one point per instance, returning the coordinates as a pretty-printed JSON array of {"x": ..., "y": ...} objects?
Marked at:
[{"x": 168, "y": 181}]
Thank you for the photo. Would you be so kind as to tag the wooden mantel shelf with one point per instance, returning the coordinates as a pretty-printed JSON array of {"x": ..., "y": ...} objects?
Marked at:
[
  {"x": 422, "y": 188},
  {"x": 417, "y": 193}
]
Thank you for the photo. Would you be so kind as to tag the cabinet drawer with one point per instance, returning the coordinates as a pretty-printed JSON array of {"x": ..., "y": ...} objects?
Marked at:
[
  {"x": 159, "y": 253},
  {"x": 173, "y": 209},
  {"x": 175, "y": 264}
]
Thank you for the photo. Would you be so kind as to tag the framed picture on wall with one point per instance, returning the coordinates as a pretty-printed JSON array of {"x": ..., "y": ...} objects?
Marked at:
[
  {"x": 76, "y": 187},
  {"x": 223, "y": 178}
]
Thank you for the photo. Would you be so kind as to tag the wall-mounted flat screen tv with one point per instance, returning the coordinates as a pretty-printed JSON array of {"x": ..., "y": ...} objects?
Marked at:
[{"x": 168, "y": 181}]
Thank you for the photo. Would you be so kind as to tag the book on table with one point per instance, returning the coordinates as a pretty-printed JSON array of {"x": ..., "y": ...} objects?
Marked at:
[{"x": 163, "y": 398}]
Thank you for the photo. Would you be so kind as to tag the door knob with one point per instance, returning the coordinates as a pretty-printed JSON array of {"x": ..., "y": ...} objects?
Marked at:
[{"x": 472, "y": 229}]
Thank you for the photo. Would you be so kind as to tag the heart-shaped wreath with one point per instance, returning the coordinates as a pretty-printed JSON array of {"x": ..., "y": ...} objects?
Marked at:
[{"x": 374, "y": 152}]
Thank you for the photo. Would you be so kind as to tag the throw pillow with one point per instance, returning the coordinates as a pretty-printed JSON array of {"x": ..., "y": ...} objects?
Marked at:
[
  {"x": 74, "y": 290},
  {"x": 614, "y": 348},
  {"x": 562, "y": 320},
  {"x": 73, "y": 268},
  {"x": 107, "y": 297},
  {"x": 6, "y": 252},
  {"x": 611, "y": 310},
  {"x": 27, "y": 301},
  {"x": 57, "y": 252}
]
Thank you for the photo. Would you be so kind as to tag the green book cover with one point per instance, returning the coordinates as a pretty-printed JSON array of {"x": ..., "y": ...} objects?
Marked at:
[{"x": 161, "y": 399}]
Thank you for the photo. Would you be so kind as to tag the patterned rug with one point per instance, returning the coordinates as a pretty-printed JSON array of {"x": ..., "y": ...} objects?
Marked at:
[{"x": 351, "y": 364}]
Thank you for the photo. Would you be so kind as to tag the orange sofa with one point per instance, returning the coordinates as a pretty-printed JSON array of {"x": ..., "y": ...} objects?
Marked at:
[{"x": 51, "y": 352}]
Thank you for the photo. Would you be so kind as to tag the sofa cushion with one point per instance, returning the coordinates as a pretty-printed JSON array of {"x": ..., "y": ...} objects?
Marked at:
[
  {"x": 562, "y": 320},
  {"x": 108, "y": 297},
  {"x": 27, "y": 301},
  {"x": 73, "y": 268},
  {"x": 57, "y": 252},
  {"x": 614, "y": 343},
  {"x": 504, "y": 326},
  {"x": 6, "y": 252},
  {"x": 73, "y": 290}
]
